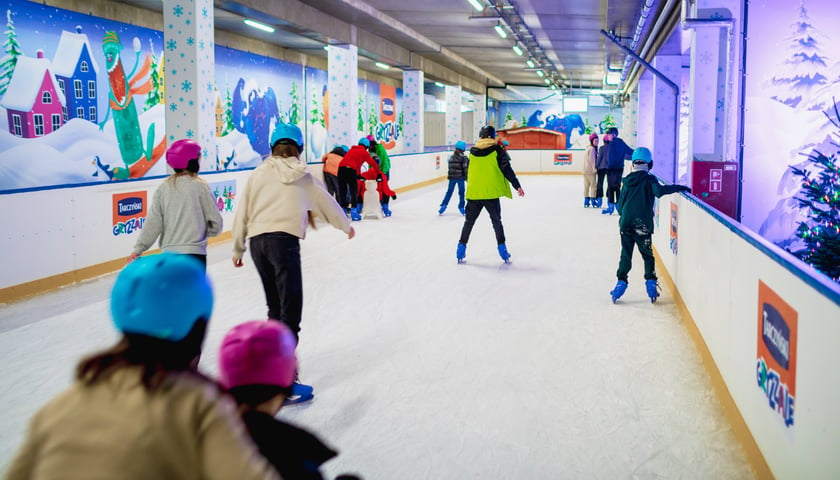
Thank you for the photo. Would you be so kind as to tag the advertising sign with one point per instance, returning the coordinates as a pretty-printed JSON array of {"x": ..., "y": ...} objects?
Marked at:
[
  {"x": 128, "y": 212},
  {"x": 776, "y": 354}
]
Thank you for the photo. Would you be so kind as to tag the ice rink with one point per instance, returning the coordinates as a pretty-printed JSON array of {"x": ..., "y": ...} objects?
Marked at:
[{"x": 427, "y": 369}]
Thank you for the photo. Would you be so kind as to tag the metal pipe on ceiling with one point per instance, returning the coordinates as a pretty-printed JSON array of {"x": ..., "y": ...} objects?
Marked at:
[{"x": 668, "y": 82}]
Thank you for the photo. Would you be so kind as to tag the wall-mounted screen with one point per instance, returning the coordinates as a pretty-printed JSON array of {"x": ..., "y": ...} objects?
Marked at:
[{"x": 575, "y": 104}]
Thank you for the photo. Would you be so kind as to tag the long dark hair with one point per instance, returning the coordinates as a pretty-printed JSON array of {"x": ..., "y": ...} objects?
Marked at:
[
  {"x": 157, "y": 358},
  {"x": 285, "y": 150}
]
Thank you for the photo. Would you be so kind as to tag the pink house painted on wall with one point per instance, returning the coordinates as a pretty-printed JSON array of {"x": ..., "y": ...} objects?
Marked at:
[{"x": 33, "y": 100}]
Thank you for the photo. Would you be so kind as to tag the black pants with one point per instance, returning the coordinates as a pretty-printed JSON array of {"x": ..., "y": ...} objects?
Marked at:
[
  {"x": 331, "y": 181},
  {"x": 613, "y": 184},
  {"x": 599, "y": 182},
  {"x": 277, "y": 258},
  {"x": 494, "y": 209},
  {"x": 629, "y": 239},
  {"x": 348, "y": 187}
]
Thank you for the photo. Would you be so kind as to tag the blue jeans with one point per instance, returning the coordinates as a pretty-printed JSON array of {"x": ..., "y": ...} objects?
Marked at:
[{"x": 452, "y": 183}]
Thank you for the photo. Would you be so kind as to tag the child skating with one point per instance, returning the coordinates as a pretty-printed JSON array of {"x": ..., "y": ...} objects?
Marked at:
[
  {"x": 489, "y": 172},
  {"x": 635, "y": 207},
  {"x": 457, "y": 175},
  {"x": 183, "y": 212}
]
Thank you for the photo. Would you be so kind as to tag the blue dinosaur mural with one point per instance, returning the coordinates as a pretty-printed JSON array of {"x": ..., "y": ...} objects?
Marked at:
[
  {"x": 252, "y": 113},
  {"x": 566, "y": 125}
]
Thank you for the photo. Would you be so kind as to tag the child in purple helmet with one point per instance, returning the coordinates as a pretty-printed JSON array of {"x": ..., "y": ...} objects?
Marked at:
[
  {"x": 183, "y": 212},
  {"x": 257, "y": 365}
]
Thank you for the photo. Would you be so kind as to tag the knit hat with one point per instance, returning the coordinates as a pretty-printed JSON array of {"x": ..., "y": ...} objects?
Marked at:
[{"x": 593, "y": 136}]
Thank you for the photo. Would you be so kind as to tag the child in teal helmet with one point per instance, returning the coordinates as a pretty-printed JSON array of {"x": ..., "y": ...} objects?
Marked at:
[
  {"x": 140, "y": 409},
  {"x": 635, "y": 207},
  {"x": 457, "y": 176},
  {"x": 280, "y": 201}
]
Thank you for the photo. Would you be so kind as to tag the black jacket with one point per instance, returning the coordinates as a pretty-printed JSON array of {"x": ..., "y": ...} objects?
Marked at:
[
  {"x": 635, "y": 203},
  {"x": 458, "y": 166},
  {"x": 294, "y": 452}
]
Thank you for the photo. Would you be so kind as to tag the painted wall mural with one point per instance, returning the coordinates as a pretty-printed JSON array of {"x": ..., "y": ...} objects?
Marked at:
[
  {"x": 82, "y": 101},
  {"x": 576, "y": 126},
  {"x": 791, "y": 111},
  {"x": 80, "y": 98}
]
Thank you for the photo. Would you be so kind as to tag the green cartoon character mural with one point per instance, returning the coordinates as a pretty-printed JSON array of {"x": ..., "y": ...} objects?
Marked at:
[{"x": 138, "y": 160}]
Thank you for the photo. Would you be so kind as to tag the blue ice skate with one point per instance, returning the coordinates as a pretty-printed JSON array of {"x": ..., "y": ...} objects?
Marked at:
[
  {"x": 461, "y": 209},
  {"x": 619, "y": 290},
  {"x": 652, "y": 289},
  {"x": 300, "y": 393},
  {"x": 355, "y": 215},
  {"x": 586, "y": 202},
  {"x": 441, "y": 210},
  {"x": 461, "y": 253},
  {"x": 385, "y": 210},
  {"x": 503, "y": 252}
]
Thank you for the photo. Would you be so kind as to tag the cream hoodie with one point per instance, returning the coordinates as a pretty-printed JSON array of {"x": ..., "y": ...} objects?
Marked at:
[{"x": 278, "y": 197}]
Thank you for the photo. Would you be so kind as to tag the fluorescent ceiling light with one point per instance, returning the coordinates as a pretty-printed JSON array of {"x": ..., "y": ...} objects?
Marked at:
[
  {"x": 258, "y": 25},
  {"x": 476, "y": 5},
  {"x": 530, "y": 64},
  {"x": 327, "y": 48},
  {"x": 613, "y": 78},
  {"x": 599, "y": 91},
  {"x": 517, "y": 50},
  {"x": 540, "y": 73},
  {"x": 439, "y": 84},
  {"x": 500, "y": 30},
  {"x": 547, "y": 81},
  {"x": 383, "y": 66}
]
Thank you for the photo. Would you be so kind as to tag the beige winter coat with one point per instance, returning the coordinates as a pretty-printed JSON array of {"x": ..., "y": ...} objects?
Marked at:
[
  {"x": 279, "y": 196},
  {"x": 117, "y": 429},
  {"x": 589, "y": 161}
]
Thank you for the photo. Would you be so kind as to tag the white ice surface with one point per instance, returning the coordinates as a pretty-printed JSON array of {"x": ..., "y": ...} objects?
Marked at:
[{"x": 427, "y": 369}]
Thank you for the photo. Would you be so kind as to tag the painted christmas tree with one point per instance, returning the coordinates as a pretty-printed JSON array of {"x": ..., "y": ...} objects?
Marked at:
[
  {"x": 361, "y": 114},
  {"x": 156, "y": 94},
  {"x": 294, "y": 110},
  {"x": 13, "y": 51},
  {"x": 373, "y": 119},
  {"x": 804, "y": 68},
  {"x": 227, "y": 117}
]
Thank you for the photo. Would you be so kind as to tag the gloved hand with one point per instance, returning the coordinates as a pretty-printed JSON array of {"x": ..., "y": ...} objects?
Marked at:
[
  {"x": 359, "y": 177},
  {"x": 379, "y": 177},
  {"x": 683, "y": 188},
  {"x": 394, "y": 196}
]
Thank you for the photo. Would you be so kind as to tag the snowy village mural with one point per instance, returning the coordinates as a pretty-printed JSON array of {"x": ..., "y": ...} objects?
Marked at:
[
  {"x": 576, "y": 126},
  {"x": 79, "y": 98},
  {"x": 82, "y": 101},
  {"x": 792, "y": 129}
]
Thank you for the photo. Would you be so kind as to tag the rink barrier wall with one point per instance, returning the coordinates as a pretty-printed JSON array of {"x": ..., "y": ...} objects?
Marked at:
[
  {"x": 715, "y": 274},
  {"x": 61, "y": 235}
]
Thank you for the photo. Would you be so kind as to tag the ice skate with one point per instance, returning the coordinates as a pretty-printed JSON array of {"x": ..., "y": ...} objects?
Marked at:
[
  {"x": 354, "y": 214},
  {"x": 609, "y": 210},
  {"x": 461, "y": 252},
  {"x": 300, "y": 393},
  {"x": 619, "y": 290},
  {"x": 652, "y": 289},
  {"x": 586, "y": 202},
  {"x": 386, "y": 210},
  {"x": 461, "y": 209},
  {"x": 442, "y": 209},
  {"x": 503, "y": 252}
]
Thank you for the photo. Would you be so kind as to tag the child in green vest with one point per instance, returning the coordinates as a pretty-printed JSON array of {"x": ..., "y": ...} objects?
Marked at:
[{"x": 489, "y": 172}]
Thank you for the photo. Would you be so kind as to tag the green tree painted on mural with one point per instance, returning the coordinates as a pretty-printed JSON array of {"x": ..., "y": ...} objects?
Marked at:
[
  {"x": 360, "y": 124},
  {"x": 315, "y": 114},
  {"x": 227, "y": 108},
  {"x": 523, "y": 120},
  {"x": 400, "y": 124},
  {"x": 294, "y": 110},
  {"x": 607, "y": 122},
  {"x": 373, "y": 120},
  {"x": 508, "y": 118},
  {"x": 13, "y": 51},
  {"x": 156, "y": 93},
  {"x": 588, "y": 130}
]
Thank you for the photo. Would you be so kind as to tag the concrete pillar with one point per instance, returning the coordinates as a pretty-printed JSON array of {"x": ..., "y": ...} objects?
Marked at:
[
  {"x": 452, "y": 95},
  {"x": 479, "y": 117},
  {"x": 664, "y": 143},
  {"x": 413, "y": 110},
  {"x": 343, "y": 88},
  {"x": 190, "y": 74}
]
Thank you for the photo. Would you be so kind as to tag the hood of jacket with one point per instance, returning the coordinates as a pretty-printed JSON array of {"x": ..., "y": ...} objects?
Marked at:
[
  {"x": 483, "y": 146},
  {"x": 636, "y": 178},
  {"x": 288, "y": 169}
]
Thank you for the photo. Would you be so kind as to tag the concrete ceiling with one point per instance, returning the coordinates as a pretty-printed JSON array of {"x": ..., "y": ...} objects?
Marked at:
[{"x": 449, "y": 40}]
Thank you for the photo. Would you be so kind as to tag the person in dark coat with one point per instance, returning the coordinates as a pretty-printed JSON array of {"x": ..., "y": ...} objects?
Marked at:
[
  {"x": 635, "y": 225},
  {"x": 617, "y": 152},
  {"x": 457, "y": 175}
]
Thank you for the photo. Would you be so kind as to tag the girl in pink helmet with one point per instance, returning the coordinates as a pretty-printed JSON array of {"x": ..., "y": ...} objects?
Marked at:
[
  {"x": 257, "y": 365},
  {"x": 183, "y": 212}
]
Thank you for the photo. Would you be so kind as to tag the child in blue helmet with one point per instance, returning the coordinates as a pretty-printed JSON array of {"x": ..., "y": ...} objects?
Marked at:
[
  {"x": 139, "y": 409},
  {"x": 280, "y": 200},
  {"x": 635, "y": 206},
  {"x": 183, "y": 212},
  {"x": 457, "y": 175}
]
